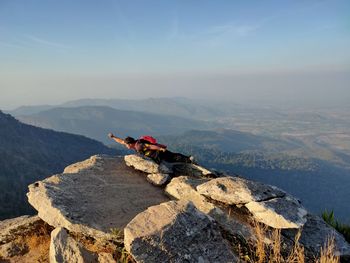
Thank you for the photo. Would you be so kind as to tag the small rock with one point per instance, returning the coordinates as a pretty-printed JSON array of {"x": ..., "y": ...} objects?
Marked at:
[
  {"x": 158, "y": 178},
  {"x": 64, "y": 249},
  {"x": 145, "y": 165}
]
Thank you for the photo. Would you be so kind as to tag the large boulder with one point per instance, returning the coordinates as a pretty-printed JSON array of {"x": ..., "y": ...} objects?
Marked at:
[
  {"x": 63, "y": 249},
  {"x": 176, "y": 231},
  {"x": 184, "y": 188},
  {"x": 314, "y": 235},
  {"x": 94, "y": 196},
  {"x": 267, "y": 204},
  {"x": 279, "y": 213},
  {"x": 236, "y": 190}
]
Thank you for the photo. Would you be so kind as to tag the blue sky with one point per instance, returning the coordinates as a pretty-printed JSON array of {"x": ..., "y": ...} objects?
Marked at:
[{"x": 69, "y": 42}]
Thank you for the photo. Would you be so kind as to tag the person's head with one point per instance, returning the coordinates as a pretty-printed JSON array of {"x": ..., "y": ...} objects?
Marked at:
[{"x": 130, "y": 141}]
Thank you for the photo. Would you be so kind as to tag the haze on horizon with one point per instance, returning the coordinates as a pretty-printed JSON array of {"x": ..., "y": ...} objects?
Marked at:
[{"x": 257, "y": 52}]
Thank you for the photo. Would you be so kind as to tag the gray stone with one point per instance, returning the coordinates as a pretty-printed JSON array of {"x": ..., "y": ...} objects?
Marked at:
[
  {"x": 285, "y": 212},
  {"x": 184, "y": 188},
  {"x": 268, "y": 204},
  {"x": 64, "y": 249},
  {"x": 158, "y": 178},
  {"x": 314, "y": 235},
  {"x": 145, "y": 165},
  {"x": 235, "y": 190},
  {"x": 93, "y": 164},
  {"x": 12, "y": 229},
  {"x": 176, "y": 231},
  {"x": 94, "y": 200}
]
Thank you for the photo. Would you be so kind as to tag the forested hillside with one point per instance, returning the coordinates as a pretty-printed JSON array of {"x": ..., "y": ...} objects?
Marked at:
[{"x": 28, "y": 153}]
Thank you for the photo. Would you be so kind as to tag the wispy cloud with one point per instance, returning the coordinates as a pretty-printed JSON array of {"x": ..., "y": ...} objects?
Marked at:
[
  {"x": 219, "y": 35},
  {"x": 232, "y": 29},
  {"x": 47, "y": 43}
]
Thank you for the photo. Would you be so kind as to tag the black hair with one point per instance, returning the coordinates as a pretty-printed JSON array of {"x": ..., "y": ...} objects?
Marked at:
[{"x": 129, "y": 140}]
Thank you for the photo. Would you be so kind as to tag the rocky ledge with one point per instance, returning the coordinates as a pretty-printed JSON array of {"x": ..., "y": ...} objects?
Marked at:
[{"x": 160, "y": 213}]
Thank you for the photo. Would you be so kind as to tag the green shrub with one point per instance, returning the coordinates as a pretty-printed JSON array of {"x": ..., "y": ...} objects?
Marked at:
[{"x": 344, "y": 229}]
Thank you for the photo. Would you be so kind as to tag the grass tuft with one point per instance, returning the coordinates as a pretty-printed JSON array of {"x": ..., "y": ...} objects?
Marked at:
[{"x": 268, "y": 248}]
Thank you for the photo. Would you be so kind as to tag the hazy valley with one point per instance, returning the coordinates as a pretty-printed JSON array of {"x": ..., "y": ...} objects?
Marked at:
[{"x": 304, "y": 151}]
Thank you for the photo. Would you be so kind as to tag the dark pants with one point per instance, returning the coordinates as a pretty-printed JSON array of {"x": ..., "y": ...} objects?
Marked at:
[{"x": 171, "y": 157}]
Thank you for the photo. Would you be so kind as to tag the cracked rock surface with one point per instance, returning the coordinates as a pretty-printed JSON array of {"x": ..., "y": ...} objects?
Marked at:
[
  {"x": 96, "y": 195},
  {"x": 176, "y": 231},
  {"x": 268, "y": 204}
]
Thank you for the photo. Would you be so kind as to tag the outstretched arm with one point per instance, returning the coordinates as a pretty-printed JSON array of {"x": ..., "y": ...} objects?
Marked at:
[{"x": 117, "y": 139}]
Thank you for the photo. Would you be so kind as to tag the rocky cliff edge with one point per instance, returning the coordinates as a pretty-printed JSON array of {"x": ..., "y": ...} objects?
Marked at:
[{"x": 107, "y": 208}]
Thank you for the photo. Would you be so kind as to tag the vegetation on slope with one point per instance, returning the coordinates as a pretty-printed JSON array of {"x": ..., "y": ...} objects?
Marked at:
[
  {"x": 344, "y": 229},
  {"x": 28, "y": 154}
]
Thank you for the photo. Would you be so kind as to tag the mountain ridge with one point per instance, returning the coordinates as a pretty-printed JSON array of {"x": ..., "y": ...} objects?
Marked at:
[{"x": 96, "y": 121}]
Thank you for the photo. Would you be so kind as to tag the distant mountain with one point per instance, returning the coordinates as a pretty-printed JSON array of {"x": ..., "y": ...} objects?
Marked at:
[
  {"x": 96, "y": 121},
  {"x": 181, "y": 107},
  {"x": 28, "y": 154},
  {"x": 27, "y": 110}
]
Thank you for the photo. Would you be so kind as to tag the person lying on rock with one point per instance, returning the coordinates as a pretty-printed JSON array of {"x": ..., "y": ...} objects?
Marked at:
[{"x": 156, "y": 152}]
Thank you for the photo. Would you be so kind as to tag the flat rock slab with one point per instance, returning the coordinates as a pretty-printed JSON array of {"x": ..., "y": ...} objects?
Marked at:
[
  {"x": 285, "y": 212},
  {"x": 176, "y": 231},
  {"x": 105, "y": 194},
  {"x": 236, "y": 190},
  {"x": 267, "y": 204}
]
